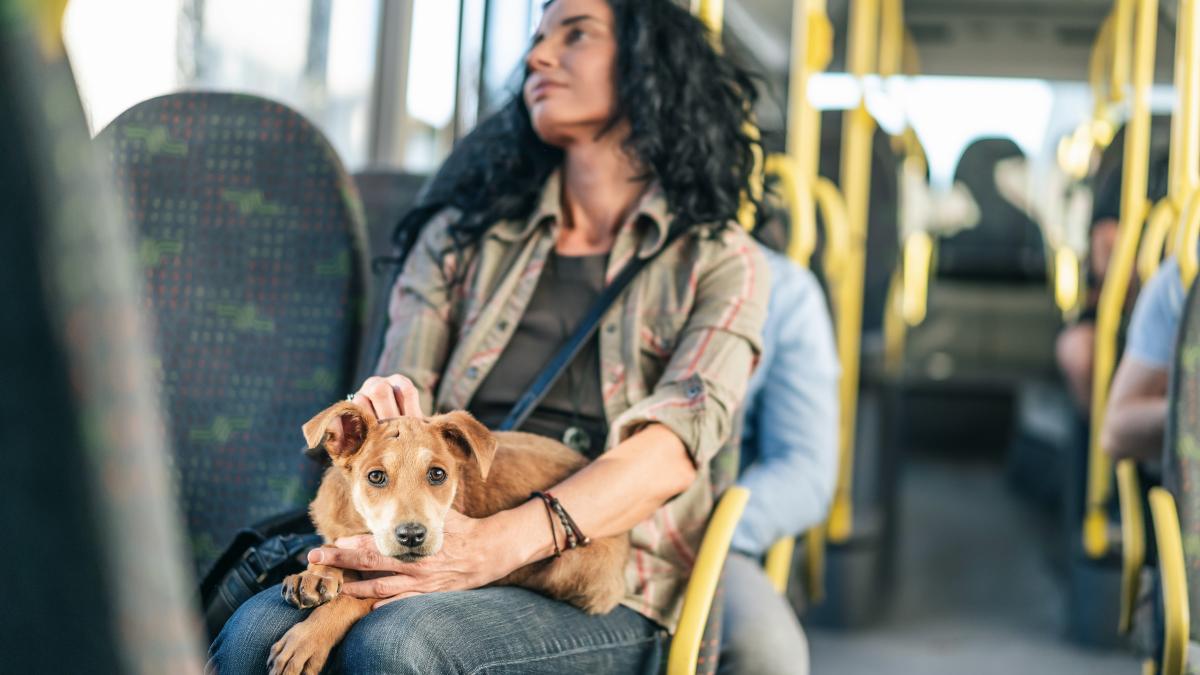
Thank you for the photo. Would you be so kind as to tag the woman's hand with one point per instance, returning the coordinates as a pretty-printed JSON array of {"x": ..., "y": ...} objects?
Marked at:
[
  {"x": 472, "y": 555},
  {"x": 389, "y": 397}
]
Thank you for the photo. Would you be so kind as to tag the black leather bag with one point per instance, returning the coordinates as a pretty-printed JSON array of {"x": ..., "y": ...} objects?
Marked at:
[{"x": 259, "y": 557}]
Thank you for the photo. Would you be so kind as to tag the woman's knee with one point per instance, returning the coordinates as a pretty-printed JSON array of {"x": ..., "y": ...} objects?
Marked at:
[
  {"x": 408, "y": 636},
  {"x": 244, "y": 644}
]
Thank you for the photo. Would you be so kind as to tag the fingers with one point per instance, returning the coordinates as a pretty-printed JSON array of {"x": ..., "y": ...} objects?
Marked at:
[
  {"x": 382, "y": 588},
  {"x": 390, "y": 397},
  {"x": 390, "y": 600},
  {"x": 354, "y": 559},
  {"x": 408, "y": 396}
]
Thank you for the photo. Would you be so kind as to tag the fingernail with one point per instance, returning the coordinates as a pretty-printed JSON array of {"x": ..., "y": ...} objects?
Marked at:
[{"x": 316, "y": 557}]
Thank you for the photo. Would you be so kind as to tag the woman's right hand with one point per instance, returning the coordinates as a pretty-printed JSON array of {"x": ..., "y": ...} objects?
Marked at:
[{"x": 389, "y": 397}]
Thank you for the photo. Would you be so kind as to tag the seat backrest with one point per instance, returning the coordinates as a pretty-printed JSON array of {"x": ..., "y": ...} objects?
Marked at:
[
  {"x": 386, "y": 197},
  {"x": 1181, "y": 457},
  {"x": 1006, "y": 244},
  {"x": 252, "y": 245},
  {"x": 96, "y": 578}
]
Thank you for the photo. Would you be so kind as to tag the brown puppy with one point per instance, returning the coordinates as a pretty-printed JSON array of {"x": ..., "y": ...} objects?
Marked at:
[{"x": 396, "y": 480}]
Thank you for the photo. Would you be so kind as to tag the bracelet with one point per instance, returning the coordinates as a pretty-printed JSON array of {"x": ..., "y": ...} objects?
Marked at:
[
  {"x": 550, "y": 517},
  {"x": 575, "y": 535}
]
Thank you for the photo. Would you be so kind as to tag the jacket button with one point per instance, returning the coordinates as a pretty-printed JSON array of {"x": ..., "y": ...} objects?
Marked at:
[
  {"x": 692, "y": 391},
  {"x": 503, "y": 325},
  {"x": 610, "y": 328},
  {"x": 472, "y": 372}
]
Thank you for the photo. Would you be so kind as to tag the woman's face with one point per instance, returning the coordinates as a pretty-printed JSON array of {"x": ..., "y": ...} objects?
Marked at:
[{"x": 570, "y": 71}]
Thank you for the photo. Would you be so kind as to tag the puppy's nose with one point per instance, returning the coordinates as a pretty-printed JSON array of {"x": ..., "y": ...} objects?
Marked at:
[{"x": 410, "y": 534}]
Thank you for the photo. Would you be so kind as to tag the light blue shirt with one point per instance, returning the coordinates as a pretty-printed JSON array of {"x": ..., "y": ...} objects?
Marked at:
[
  {"x": 789, "y": 440},
  {"x": 1155, "y": 322}
]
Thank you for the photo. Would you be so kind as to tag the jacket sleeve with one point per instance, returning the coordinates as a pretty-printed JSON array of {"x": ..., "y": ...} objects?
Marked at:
[{"x": 702, "y": 387}]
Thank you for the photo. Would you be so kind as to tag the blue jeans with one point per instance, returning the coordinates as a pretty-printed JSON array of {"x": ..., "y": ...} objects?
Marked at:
[
  {"x": 489, "y": 630},
  {"x": 760, "y": 634}
]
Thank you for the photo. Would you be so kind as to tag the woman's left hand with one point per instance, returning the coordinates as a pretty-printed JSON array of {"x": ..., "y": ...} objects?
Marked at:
[{"x": 471, "y": 556}]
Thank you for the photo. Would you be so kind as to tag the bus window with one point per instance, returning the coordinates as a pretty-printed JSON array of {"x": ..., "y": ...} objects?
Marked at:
[{"x": 317, "y": 60}]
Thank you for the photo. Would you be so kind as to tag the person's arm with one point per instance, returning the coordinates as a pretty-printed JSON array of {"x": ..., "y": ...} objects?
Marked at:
[
  {"x": 1137, "y": 411},
  {"x": 661, "y": 443},
  {"x": 792, "y": 477}
]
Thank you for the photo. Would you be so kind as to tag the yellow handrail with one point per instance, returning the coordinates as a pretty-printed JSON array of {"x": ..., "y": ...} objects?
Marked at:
[
  {"x": 778, "y": 564},
  {"x": 857, "y": 138},
  {"x": 1173, "y": 571},
  {"x": 837, "y": 228},
  {"x": 1158, "y": 231},
  {"x": 1133, "y": 540},
  {"x": 803, "y": 239},
  {"x": 702, "y": 586},
  {"x": 712, "y": 13},
  {"x": 1116, "y": 283},
  {"x": 1123, "y": 41},
  {"x": 1189, "y": 239}
]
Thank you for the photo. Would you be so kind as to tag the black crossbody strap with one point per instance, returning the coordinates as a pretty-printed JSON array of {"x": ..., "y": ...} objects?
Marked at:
[{"x": 587, "y": 328}]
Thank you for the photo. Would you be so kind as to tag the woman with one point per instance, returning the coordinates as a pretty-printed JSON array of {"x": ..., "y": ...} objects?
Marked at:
[{"x": 628, "y": 124}]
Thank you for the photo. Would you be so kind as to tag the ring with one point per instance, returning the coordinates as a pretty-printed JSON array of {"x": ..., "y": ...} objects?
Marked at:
[{"x": 350, "y": 397}]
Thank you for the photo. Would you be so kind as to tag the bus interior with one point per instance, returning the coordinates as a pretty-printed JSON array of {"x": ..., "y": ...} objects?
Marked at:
[{"x": 938, "y": 161}]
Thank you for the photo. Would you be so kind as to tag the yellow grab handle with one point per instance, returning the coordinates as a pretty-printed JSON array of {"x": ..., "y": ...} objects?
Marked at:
[
  {"x": 918, "y": 257},
  {"x": 702, "y": 586},
  {"x": 1066, "y": 278},
  {"x": 1158, "y": 230},
  {"x": 1173, "y": 571},
  {"x": 1133, "y": 540},
  {"x": 1122, "y": 45},
  {"x": 778, "y": 564}
]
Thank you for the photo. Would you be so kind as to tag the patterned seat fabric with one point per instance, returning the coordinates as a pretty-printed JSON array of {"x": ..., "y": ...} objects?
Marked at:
[
  {"x": 251, "y": 242},
  {"x": 1181, "y": 460},
  {"x": 97, "y": 581},
  {"x": 386, "y": 197}
]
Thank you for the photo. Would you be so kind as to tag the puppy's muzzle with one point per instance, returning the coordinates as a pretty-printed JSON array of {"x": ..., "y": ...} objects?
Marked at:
[{"x": 410, "y": 535}]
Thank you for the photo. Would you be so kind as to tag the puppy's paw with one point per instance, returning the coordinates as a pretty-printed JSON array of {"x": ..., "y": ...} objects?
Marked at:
[
  {"x": 312, "y": 587},
  {"x": 302, "y": 650}
]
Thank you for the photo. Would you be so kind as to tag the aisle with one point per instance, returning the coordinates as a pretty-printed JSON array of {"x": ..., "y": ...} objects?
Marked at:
[{"x": 978, "y": 595}]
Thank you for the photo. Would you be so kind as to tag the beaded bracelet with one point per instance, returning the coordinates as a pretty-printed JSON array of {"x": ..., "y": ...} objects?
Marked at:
[{"x": 575, "y": 536}]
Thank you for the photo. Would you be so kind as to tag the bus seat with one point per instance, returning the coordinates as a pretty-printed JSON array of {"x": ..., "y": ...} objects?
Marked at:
[
  {"x": 251, "y": 242},
  {"x": 1175, "y": 507},
  {"x": 1006, "y": 245},
  {"x": 97, "y": 582},
  {"x": 386, "y": 197}
]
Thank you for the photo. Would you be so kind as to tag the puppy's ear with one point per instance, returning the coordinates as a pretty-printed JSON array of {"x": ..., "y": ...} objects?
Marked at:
[
  {"x": 468, "y": 435},
  {"x": 341, "y": 429}
]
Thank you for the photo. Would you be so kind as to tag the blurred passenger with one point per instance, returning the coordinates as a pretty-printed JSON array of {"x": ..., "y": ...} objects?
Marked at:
[
  {"x": 1135, "y": 418},
  {"x": 789, "y": 463},
  {"x": 628, "y": 130},
  {"x": 1077, "y": 342}
]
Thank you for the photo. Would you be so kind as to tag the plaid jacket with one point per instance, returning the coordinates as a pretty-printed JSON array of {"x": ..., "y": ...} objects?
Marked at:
[{"x": 677, "y": 349}]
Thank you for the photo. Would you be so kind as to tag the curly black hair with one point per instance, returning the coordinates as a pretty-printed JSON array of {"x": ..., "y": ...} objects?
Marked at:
[{"x": 687, "y": 105}]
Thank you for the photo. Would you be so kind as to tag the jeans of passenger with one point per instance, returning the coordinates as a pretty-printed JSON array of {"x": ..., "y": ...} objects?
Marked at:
[
  {"x": 489, "y": 630},
  {"x": 760, "y": 634}
]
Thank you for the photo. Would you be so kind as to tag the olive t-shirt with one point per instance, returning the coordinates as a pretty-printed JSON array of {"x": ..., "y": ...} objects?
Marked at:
[{"x": 566, "y": 290}]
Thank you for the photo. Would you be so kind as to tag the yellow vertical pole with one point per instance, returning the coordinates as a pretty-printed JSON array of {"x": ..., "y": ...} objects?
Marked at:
[
  {"x": 1185, "y": 123},
  {"x": 712, "y": 13},
  {"x": 857, "y": 137},
  {"x": 1116, "y": 283}
]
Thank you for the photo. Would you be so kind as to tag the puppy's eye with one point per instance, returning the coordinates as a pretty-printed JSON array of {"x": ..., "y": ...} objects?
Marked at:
[
  {"x": 377, "y": 478},
  {"x": 436, "y": 476}
]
